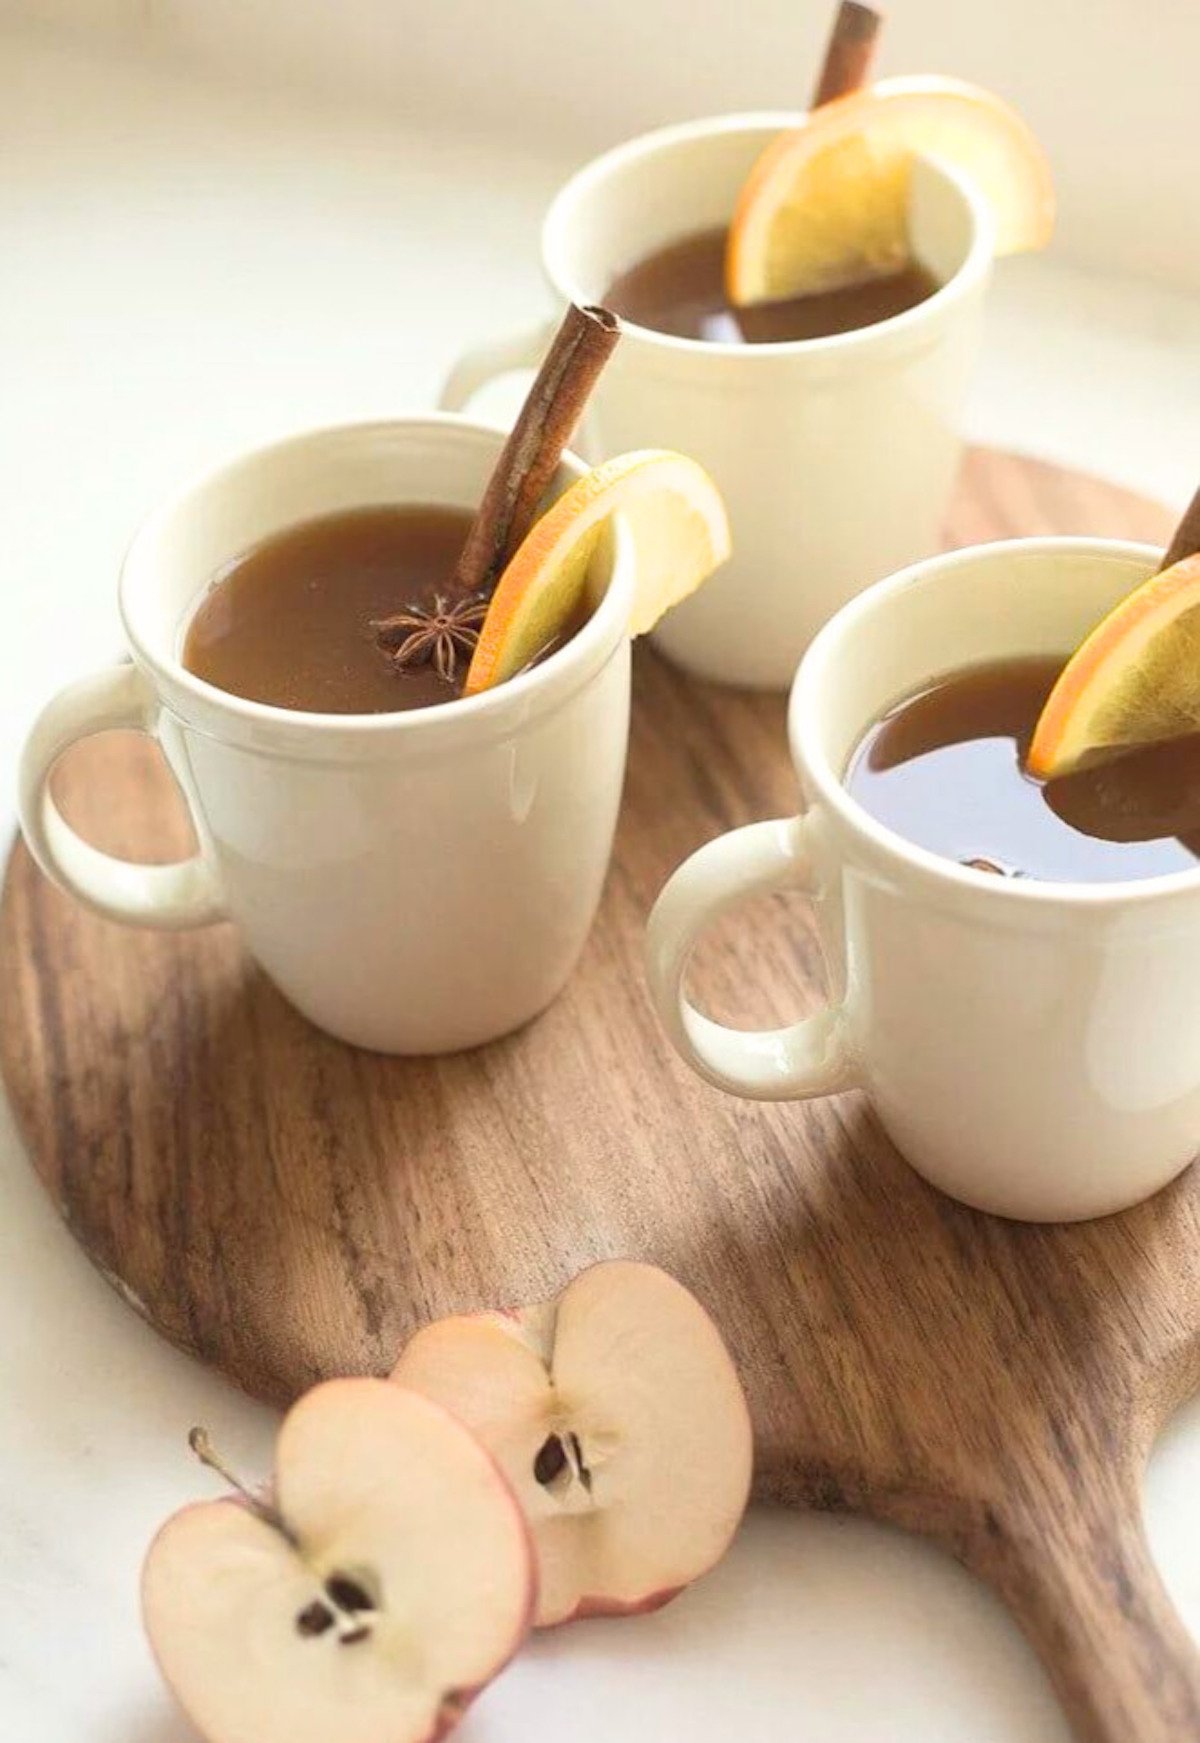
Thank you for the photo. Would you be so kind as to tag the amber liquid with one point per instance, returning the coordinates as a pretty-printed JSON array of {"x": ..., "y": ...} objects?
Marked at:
[
  {"x": 289, "y": 622},
  {"x": 945, "y": 769},
  {"x": 680, "y": 290}
]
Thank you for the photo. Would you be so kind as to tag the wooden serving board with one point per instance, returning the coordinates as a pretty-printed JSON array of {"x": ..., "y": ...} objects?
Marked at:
[{"x": 288, "y": 1208}]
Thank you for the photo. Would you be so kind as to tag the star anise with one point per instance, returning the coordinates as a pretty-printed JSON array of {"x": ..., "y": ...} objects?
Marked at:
[{"x": 438, "y": 634}]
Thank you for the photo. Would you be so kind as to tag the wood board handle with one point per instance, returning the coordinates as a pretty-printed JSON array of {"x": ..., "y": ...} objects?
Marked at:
[{"x": 1073, "y": 1564}]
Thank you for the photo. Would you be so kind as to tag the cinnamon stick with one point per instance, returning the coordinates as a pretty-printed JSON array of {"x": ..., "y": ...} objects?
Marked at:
[
  {"x": 850, "y": 52},
  {"x": 530, "y": 457},
  {"x": 1185, "y": 541}
]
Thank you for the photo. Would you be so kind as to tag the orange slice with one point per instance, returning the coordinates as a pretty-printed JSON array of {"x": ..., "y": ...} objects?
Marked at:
[
  {"x": 827, "y": 202},
  {"x": 680, "y": 535},
  {"x": 1135, "y": 680}
]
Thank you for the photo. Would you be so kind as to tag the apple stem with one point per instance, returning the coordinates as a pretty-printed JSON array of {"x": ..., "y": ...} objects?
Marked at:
[{"x": 204, "y": 1450}]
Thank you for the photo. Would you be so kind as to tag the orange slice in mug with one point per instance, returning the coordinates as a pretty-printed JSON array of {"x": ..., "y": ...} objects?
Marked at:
[
  {"x": 680, "y": 534},
  {"x": 1134, "y": 681},
  {"x": 827, "y": 202}
]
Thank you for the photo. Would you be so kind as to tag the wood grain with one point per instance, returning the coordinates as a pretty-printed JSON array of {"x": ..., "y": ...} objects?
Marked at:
[{"x": 288, "y": 1208}]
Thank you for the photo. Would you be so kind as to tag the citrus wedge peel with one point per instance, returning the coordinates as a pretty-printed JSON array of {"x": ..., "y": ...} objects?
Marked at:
[
  {"x": 680, "y": 534},
  {"x": 1135, "y": 679},
  {"x": 827, "y": 201}
]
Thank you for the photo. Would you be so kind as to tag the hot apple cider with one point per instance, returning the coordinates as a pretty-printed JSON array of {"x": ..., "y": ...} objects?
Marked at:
[
  {"x": 390, "y": 607},
  {"x": 680, "y": 290},
  {"x": 308, "y": 618},
  {"x": 946, "y": 770}
]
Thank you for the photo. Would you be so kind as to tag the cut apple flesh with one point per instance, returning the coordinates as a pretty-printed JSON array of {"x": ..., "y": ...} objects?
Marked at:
[
  {"x": 395, "y": 1580},
  {"x": 619, "y": 1420}
]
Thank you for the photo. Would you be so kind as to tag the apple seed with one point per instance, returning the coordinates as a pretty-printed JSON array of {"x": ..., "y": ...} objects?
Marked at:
[
  {"x": 348, "y": 1594},
  {"x": 315, "y": 1618},
  {"x": 551, "y": 1460},
  {"x": 577, "y": 1464}
]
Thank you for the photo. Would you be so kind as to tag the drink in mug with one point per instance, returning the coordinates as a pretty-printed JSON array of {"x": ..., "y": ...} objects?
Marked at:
[{"x": 1030, "y": 1040}]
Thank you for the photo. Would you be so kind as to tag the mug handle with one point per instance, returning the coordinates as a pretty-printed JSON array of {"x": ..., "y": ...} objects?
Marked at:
[
  {"x": 167, "y": 897},
  {"x": 484, "y": 363},
  {"x": 810, "y": 1058}
]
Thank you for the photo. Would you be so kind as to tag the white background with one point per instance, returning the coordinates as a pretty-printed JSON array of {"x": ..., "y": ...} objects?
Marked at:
[
  {"x": 1108, "y": 84},
  {"x": 188, "y": 266}
]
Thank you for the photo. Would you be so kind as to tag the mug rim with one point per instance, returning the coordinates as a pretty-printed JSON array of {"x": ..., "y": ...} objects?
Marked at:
[
  {"x": 510, "y": 703},
  {"x": 929, "y": 871},
  {"x": 974, "y": 267}
]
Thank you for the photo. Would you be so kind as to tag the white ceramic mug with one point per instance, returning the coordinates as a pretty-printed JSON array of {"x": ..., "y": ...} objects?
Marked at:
[
  {"x": 835, "y": 456},
  {"x": 414, "y": 882},
  {"x": 1032, "y": 1048}
]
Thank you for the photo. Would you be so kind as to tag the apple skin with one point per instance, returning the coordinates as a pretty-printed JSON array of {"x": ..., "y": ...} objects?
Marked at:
[{"x": 592, "y": 1608}]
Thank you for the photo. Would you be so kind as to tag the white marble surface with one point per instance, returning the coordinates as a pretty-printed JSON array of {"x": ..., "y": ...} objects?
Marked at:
[{"x": 186, "y": 270}]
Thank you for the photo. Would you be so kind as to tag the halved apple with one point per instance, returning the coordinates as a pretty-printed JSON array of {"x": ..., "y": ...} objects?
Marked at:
[
  {"x": 618, "y": 1417},
  {"x": 387, "y": 1579}
]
